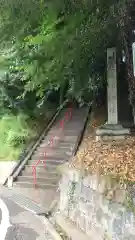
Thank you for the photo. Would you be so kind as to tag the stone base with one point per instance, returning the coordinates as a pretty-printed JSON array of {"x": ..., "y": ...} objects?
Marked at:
[
  {"x": 109, "y": 138},
  {"x": 111, "y": 132}
]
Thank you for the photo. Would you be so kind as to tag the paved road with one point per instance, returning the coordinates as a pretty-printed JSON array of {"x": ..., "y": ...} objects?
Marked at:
[{"x": 24, "y": 224}]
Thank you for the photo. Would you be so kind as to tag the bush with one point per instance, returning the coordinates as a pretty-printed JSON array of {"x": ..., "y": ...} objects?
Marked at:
[{"x": 14, "y": 133}]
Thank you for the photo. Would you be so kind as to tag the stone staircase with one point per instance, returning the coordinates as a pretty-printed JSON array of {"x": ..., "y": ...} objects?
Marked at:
[{"x": 47, "y": 176}]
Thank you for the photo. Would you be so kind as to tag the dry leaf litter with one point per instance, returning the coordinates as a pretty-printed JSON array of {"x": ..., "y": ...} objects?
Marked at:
[{"x": 110, "y": 157}]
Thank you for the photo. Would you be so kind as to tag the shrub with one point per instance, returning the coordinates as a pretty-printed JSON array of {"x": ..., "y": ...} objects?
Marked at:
[{"x": 14, "y": 133}]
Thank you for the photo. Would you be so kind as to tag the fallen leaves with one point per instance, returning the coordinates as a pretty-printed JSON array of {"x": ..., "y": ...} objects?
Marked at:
[{"x": 112, "y": 157}]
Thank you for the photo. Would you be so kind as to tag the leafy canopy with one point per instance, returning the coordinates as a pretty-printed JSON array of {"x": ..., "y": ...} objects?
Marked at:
[{"x": 55, "y": 49}]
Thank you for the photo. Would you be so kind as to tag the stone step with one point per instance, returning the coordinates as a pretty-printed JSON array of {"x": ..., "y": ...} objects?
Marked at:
[
  {"x": 66, "y": 130},
  {"x": 50, "y": 168},
  {"x": 64, "y": 137},
  {"x": 46, "y": 143},
  {"x": 70, "y": 138},
  {"x": 56, "y": 130},
  {"x": 78, "y": 119},
  {"x": 59, "y": 147},
  {"x": 50, "y": 157},
  {"x": 60, "y": 152},
  {"x": 46, "y": 154},
  {"x": 38, "y": 186},
  {"x": 78, "y": 112},
  {"x": 42, "y": 174},
  {"x": 60, "y": 143},
  {"x": 76, "y": 122},
  {"x": 47, "y": 162},
  {"x": 65, "y": 143},
  {"x": 41, "y": 170},
  {"x": 61, "y": 135},
  {"x": 66, "y": 147},
  {"x": 54, "y": 133},
  {"x": 56, "y": 150},
  {"x": 38, "y": 179},
  {"x": 77, "y": 129}
]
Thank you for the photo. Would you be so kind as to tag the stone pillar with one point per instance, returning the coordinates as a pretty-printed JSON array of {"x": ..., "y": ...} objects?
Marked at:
[
  {"x": 112, "y": 86},
  {"x": 133, "y": 53},
  {"x": 112, "y": 127}
]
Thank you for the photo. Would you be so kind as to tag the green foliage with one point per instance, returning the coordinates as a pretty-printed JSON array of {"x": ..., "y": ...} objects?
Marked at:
[
  {"x": 14, "y": 132},
  {"x": 49, "y": 51},
  {"x": 60, "y": 48}
]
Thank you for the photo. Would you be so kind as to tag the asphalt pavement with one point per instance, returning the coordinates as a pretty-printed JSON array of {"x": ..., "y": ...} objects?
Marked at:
[{"x": 24, "y": 224}]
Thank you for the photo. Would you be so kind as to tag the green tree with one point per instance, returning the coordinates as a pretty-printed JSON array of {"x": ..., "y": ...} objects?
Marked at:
[{"x": 59, "y": 48}]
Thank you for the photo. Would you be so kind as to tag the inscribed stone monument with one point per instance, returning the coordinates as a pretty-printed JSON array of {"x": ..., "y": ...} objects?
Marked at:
[{"x": 112, "y": 127}]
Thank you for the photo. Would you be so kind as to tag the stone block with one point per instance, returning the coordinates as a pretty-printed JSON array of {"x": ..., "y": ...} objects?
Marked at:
[
  {"x": 81, "y": 222},
  {"x": 124, "y": 225},
  {"x": 112, "y": 129},
  {"x": 115, "y": 209},
  {"x": 130, "y": 237},
  {"x": 74, "y": 214},
  {"x": 88, "y": 224},
  {"x": 91, "y": 196},
  {"x": 101, "y": 185},
  {"x": 91, "y": 182},
  {"x": 63, "y": 204},
  {"x": 120, "y": 195},
  {"x": 70, "y": 173},
  {"x": 107, "y": 138},
  {"x": 90, "y": 209},
  {"x": 118, "y": 227},
  {"x": 99, "y": 214},
  {"x": 85, "y": 192},
  {"x": 65, "y": 213},
  {"x": 104, "y": 204},
  {"x": 107, "y": 223},
  {"x": 128, "y": 219},
  {"x": 111, "y": 132},
  {"x": 74, "y": 175},
  {"x": 95, "y": 234},
  {"x": 64, "y": 183},
  {"x": 94, "y": 221},
  {"x": 86, "y": 208},
  {"x": 78, "y": 189}
]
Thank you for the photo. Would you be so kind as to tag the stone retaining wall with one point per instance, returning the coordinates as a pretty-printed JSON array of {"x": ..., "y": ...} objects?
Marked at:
[{"x": 101, "y": 214}]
